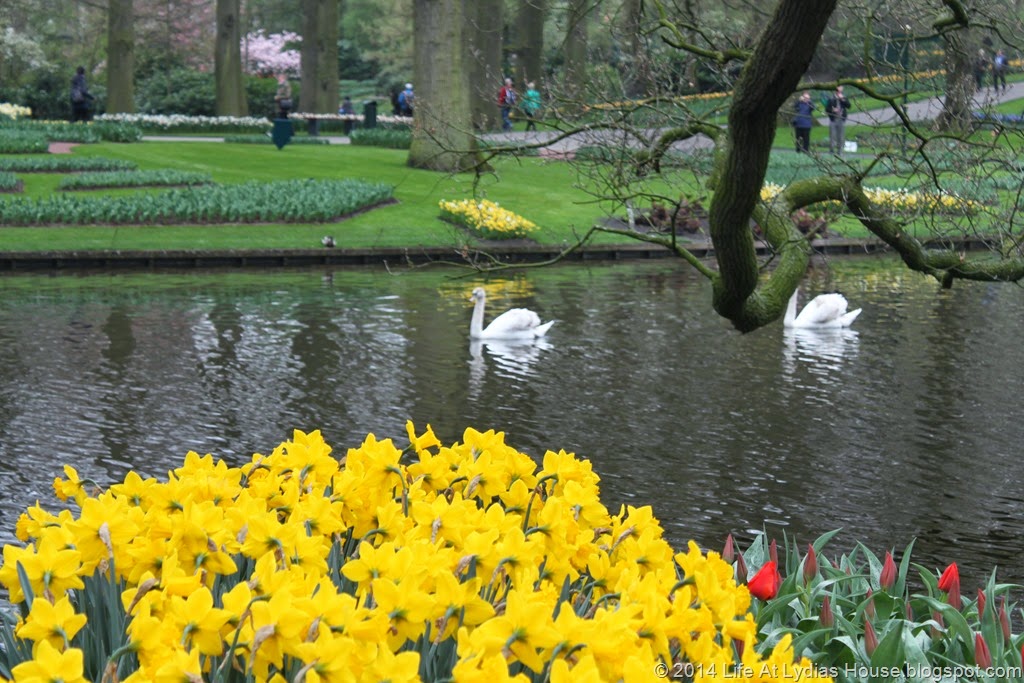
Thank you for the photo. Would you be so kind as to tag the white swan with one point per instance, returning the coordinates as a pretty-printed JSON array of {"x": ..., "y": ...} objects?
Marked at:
[
  {"x": 824, "y": 310},
  {"x": 515, "y": 323}
]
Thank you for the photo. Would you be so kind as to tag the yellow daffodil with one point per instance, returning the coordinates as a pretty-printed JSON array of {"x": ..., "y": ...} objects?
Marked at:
[
  {"x": 50, "y": 665},
  {"x": 55, "y": 623}
]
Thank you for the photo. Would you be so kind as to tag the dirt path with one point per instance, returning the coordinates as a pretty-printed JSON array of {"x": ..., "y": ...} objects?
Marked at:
[{"x": 62, "y": 147}]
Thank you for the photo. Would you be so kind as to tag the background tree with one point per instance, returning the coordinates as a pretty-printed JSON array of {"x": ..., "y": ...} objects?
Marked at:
[
  {"x": 442, "y": 137},
  {"x": 227, "y": 61},
  {"x": 752, "y": 291},
  {"x": 120, "y": 57},
  {"x": 484, "y": 29},
  {"x": 575, "y": 47},
  {"x": 319, "y": 56},
  {"x": 529, "y": 45}
]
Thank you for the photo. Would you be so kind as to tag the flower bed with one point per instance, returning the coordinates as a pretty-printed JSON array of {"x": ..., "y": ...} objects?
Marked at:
[
  {"x": 486, "y": 218},
  {"x": 155, "y": 178},
  {"x": 152, "y": 123},
  {"x": 13, "y": 111},
  {"x": 904, "y": 200},
  {"x": 465, "y": 563}
]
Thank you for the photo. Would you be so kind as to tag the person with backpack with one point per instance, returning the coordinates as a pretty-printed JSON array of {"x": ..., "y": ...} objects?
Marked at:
[
  {"x": 80, "y": 96},
  {"x": 999, "y": 66},
  {"x": 406, "y": 98},
  {"x": 531, "y": 105},
  {"x": 506, "y": 101}
]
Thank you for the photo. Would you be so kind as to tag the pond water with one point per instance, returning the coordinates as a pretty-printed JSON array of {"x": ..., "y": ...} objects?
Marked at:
[{"x": 907, "y": 426}]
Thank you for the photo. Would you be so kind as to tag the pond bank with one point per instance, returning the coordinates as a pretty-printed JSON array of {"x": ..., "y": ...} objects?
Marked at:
[{"x": 264, "y": 258}]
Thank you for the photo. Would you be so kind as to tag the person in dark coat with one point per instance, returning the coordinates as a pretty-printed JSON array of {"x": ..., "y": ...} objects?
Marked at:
[
  {"x": 80, "y": 96},
  {"x": 803, "y": 119}
]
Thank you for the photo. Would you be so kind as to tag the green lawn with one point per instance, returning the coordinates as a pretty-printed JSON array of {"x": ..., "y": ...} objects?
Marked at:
[{"x": 542, "y": 191}]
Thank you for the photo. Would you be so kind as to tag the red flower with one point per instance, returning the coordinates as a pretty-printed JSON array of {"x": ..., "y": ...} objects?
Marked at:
[
  {"x": 981, "y": 603},
  {"x": 982, "y": 656},
  {"x": 729, "y": 551},
  {"x": 810, "y": 564},
  {"x": 887, "y": 578},
  {"x": 825, "y": 616},
  {"x": 950, "y": 582},
  {"x": 950, "y": 577},
  {"x": 870, "y": 638},
  {"x": 765, "y": 584},
  {"x": 1004, "y": 620}
]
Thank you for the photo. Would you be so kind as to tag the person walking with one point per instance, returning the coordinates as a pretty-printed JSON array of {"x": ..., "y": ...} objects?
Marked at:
[
  {"x": 980, "y": 68},
  {"x": 803, "y": 119},
  {"x": 837, "y": 107},
  {"x": 80, "y": 96},
  {"x": 406, "y": 101},
  {"x": 531, "y": 105},
  {"x": 506, "y": 100},
  {"x": 999, "y": 68},
  {"x": 283, "y": 96}
]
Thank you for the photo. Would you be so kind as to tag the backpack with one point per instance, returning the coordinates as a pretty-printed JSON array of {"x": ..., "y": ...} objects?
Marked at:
[{"x": 77, "y": 96}]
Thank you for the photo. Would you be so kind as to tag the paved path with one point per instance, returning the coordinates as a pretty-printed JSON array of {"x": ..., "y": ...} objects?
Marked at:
[{"x": 926, "y": 110}]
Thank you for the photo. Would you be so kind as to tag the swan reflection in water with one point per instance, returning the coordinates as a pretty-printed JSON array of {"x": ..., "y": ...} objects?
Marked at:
[
  {"x": 509, "y": 357},
  {"x": 822, "y": 349}
]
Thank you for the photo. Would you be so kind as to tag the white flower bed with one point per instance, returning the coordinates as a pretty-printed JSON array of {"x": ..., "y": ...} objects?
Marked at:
[
  {"x": 176, "y": 122},
  {"x": 13, "y": 111}
]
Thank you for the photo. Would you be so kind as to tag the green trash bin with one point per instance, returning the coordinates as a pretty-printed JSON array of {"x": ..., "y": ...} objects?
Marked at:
[
  {"x": 282, "y": 132},
  {"x": 370, "y": 114}
]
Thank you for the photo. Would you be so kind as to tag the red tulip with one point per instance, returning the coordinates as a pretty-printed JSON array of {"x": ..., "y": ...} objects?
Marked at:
[
  {"x": 936, "y": 630},
  {"x": 729, "y": 552},
  {"x": 869, "y": 608},
  {"x": 887, "y": 578},
  {"x": 950, "y": 582},
  {"x": 981, "y": 603},
  {"x": 810, "y": 564},
  {"x": 950, "y": 577},
  {"x": 825, "y": 616},
  {"x": 870, "y": 638},
  {"x": 773, "y": 552},
  {"x": 741, "y": 568},
  {"x": 765, "y": 584},
  {"x": 982, "y": 656},
  {"x": 1004, "y": 620}
]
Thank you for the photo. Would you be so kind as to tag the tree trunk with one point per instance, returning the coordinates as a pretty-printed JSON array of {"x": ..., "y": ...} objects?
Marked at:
[
  {"x": 441, "y": 138},
  {"x": 120, "y": 57},
  {"x": 227, "y": 61},
  {"x": 530, "y": 40},
  {"x": 637, "y": 79},
  {"x": 319, "y": 92},
  {"x": 955, "y": 116},
  {"x": 576, "y": 48},
  {"x": 484, "y": 24},
  {"x": 766, "y": 82}
]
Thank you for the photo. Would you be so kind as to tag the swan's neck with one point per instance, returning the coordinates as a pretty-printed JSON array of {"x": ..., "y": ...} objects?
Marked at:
[
  {"x": 790, "y": 310},
  {"x": 476, "y": 323}
]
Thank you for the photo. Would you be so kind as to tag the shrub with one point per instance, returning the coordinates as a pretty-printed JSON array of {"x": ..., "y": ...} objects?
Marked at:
[
  {"x": 265, "y": 140},
  {"x": 382, "y": 137},
  {"x": 285, "y": 201},
  {"x": 468, "y": 562},
  {"x": 63, "y": 164},
  {"x": 22, "y": 142},
  {"x": 95, "y": 131},
  {"x": 165, "y": 177}
]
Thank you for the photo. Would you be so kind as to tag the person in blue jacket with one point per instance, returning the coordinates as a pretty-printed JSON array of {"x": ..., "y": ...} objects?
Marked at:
[{"x": 803, "y": 119}]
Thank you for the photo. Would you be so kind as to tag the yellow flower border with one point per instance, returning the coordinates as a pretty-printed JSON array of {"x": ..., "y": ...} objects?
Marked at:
[{"x": 375, "y": 565}]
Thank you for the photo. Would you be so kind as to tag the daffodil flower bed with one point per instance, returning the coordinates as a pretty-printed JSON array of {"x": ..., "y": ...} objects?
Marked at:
[
  {"x": 463, "y": 563},
  {"x": 486, "y": 218},
  {"x": 14, "y": 111},
  {"x": 178, "y": 123},
  {"x": 903, "y": 200}
]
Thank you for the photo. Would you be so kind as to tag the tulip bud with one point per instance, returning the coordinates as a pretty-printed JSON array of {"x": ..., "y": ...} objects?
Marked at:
[
  {"x": 825, "y": 616},
  {"x": 869, "y": 608},
  {"x": 908, "y": 610},
  {"x": 1004, "y": 620},
  {"x": 740, "y": 646},
  {"x": 773, "y": 553},
  {"x": 950, "y": 582},
  {"x": 729, "y": 552},
  {"x": 887, "y": 578},
  {"x": 741, "y": 568},
  {"x": 981, "y": 603},
  {"x": 870, "y": 638},
  {"x": 810, "y": 564},
  {"x": 982, "y": 656},
  {"x": 764, "y": 585},
  {"x": 936, "y": 630}
]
